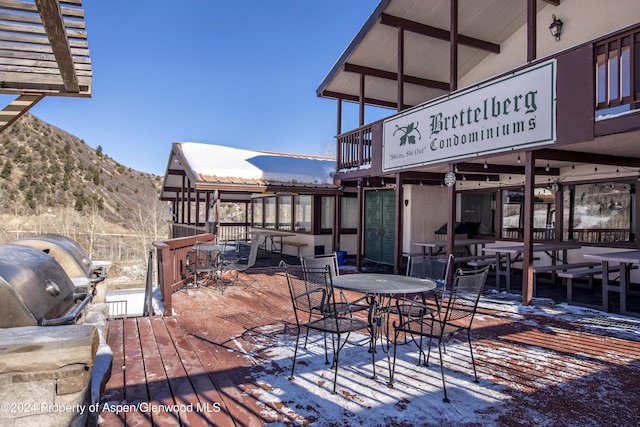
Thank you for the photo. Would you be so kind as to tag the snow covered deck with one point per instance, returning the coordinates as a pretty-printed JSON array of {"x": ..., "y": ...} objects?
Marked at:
[{"x": 225, "y": 360}]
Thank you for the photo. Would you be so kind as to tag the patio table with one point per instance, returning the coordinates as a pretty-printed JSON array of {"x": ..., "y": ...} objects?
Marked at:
[
  {"x": 626, "y": 260},
  {"x": 557, "y": 251},
  {"x": 436, "y": 246},
  {"x": 381, "y": 288},
  {"x": 270, "y": 244}
]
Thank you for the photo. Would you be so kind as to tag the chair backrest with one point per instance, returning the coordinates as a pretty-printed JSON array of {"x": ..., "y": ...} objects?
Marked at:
[
  {"x": 464, "y": 296},
  {"x": 195, "y": 259},
  {"x": 308, "y": 288},
  {"x": 253, "y": 253},
  {"x": 428, "y": 267},
  {"x": 322, "y": 261}
]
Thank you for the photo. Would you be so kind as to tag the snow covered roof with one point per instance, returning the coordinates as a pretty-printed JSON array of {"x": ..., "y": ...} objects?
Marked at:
[{"x": 216, "y": 166}]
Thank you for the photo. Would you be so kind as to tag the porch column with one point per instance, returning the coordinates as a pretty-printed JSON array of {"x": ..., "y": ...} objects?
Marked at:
[
  {"x": 397, "y": 263},
  {"x": 339, "y": 118},
  {"x": 451, "y": 222},
  {"x": 359, "y": 226},
  {"x": 337, "y": 221},
  {"x": 361, "y": 120},
  {"x": 182, "y": 197},
  {"x": 453, "y": 47},
  {"x": 527, "y": 260},
  {"x": 400, "y": 69},
  {"x": 531, "y": 30}
]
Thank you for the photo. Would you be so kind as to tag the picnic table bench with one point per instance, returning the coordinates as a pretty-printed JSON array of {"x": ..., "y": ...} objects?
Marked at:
[{"x": 586, "y": 273}]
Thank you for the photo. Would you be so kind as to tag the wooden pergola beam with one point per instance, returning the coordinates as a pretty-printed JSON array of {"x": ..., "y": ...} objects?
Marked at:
[
  {"x": 56, "y": 32},
  {"x": 17, "y": 108}
]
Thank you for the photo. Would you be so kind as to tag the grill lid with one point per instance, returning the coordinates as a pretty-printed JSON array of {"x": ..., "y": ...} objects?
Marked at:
[
  {"x": 33, "y": 287},
  {"x": 69, "y": 254}
]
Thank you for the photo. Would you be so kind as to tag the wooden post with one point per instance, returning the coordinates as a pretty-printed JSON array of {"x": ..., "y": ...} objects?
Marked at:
[{"x": 527, "y": 260}]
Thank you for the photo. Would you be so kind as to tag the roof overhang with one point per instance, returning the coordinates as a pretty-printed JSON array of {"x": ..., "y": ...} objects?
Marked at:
[{"x": 373, "y": 53}]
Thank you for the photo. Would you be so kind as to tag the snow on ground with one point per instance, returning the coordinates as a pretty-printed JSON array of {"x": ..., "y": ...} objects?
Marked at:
[
  {"x": 135, "y": 300},
  {"x": 417, "y": 395}
]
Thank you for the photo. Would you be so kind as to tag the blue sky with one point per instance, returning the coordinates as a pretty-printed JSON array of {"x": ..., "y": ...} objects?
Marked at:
[{"x": 241, "y": 73}]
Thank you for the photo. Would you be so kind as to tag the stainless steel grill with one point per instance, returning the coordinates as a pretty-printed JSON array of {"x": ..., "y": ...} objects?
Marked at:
[
  {"x": 71, "y": 256},
  {"x": 35, "y": 289}
]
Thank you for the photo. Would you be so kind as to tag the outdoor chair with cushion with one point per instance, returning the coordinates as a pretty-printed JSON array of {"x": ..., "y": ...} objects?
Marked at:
[
  {"x": 316, "y": 309},
  {"x": 456, "y": 315}
]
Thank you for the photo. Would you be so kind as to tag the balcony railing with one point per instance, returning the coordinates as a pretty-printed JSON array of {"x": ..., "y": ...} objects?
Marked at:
[
  {"x": 354, "y": 148},
  {"x": 172, "y": 269}
]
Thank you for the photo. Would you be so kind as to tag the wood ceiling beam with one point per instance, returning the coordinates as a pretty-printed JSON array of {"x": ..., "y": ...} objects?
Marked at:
[
  {"x": 437, "y": 33},
  {"x": 17, "y": 108},
  {"x": 579, "y": 157},
  {"x": 492, "y": 168},
  {"x": 356, "y": 98},
  {"x": 389, "y": 75},
  {"x": 56, "y": 32}
]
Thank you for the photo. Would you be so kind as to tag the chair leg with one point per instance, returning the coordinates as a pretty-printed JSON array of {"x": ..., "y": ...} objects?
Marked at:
[
  {"x": 473, "y": 362},
  {"x": 393, "y": 366},
  {"x": 295, "y": 354},
  {"x": 336, "y": 355},
  {"x": 444, "y": 384}
]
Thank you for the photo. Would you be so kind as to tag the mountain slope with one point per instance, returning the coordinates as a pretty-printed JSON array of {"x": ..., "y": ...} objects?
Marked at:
[{"x": 43, "y": 168}]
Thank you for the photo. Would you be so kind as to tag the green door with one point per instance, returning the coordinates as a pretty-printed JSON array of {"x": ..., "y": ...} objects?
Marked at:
[{"x": 379, "y": 224}]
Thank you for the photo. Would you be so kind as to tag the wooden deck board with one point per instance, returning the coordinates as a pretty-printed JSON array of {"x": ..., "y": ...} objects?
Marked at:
[
  {"x": 216, "y": 345},
  {"x": 181, "y": 387},
  {"x": 114, "y": 389},
  {"x": 213, "y": 408},
  {"x": 134, "y": 378},
  {"x": 157, "y": 382}
]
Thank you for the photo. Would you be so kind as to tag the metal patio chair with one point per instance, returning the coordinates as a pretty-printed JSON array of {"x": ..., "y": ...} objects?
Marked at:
[
  {"x": 316, "y": 309},
  {"x": 331, "y": 261},
  {"x": 455, "y": 315},
  {"x": 238, "y": 265},
  {"x": 434, "y": 268}
]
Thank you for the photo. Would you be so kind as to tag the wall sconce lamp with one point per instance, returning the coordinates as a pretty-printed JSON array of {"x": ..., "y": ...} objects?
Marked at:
[
  {"x": 406, "y": 202},
  {"x": 556, "y": 28}
]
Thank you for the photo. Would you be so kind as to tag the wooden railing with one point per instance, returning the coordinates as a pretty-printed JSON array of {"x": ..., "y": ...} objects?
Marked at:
[
  {"x": 354, "y": 148},
  {"x": 600, "y": 235},
  {"x": 584, "y": 235},
  {"x": 518, "y": 233},
  {"x": 172, "y": 273},
  {"x": 226, "y": 231}
]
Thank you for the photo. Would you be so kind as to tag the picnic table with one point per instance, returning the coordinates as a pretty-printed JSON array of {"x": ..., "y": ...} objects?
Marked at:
[{"x": 506, "y": 256}]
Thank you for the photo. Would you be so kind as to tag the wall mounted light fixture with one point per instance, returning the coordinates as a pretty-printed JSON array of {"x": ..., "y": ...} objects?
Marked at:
[{"x": 556, "y": 28}]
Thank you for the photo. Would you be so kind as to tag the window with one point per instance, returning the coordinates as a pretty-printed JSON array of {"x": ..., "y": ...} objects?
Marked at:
[
  {"x": 349, "y": 213},
  {"x": 269, "y": 212},
  {"x": 614, "y": 79},
  {"x": 477, "y": 212},
  {"x": 599, "y": 212},
  {"x": 285, "y": 216},
  {"x": 303, "y": 213},
  {"x": 256, "y": 209},
  {"x": 543, "y": 214},
  {"x": 326, "y": 212}
]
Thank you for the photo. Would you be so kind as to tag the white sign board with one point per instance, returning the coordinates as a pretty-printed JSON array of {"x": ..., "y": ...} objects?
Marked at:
[{"x": 513, "y": 112}]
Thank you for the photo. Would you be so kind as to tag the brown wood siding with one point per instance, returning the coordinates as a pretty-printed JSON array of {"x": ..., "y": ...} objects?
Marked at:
[{"x": 575, "y": 96}]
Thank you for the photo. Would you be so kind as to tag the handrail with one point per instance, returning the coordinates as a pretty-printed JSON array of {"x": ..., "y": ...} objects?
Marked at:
[
  {"x": 354, "y": 148},
  {"x": 172, "y": 274}
]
